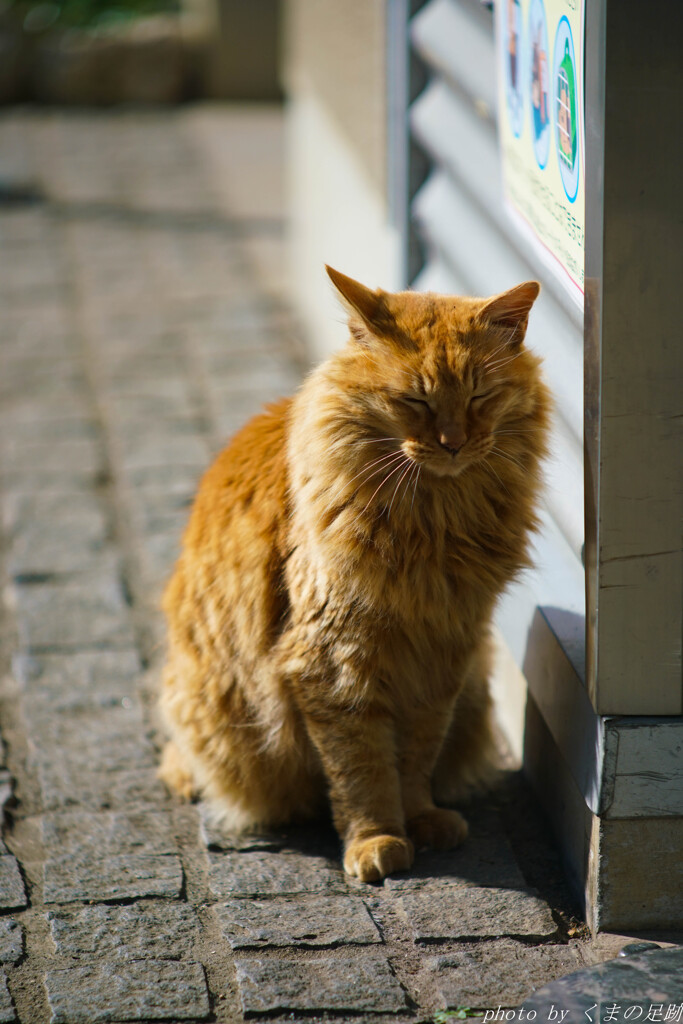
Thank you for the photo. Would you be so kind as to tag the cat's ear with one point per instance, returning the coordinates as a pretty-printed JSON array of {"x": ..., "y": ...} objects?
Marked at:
[
  {"x": 510, "y": 310},
  {"x": 370, "y": 306}
]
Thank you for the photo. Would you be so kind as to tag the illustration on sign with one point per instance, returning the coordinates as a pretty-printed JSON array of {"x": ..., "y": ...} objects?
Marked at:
[
  {"x": 540, "y": 61},
  {"x": 513, "y": 66},
  {"x": 540, "y": 103},
  {"x": 565, "y": 99}
]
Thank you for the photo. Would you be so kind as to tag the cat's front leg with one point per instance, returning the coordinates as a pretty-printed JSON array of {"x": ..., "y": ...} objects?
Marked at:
[
  {"x": 420, "y": 743},
  {"x": 358, "y": 751}
]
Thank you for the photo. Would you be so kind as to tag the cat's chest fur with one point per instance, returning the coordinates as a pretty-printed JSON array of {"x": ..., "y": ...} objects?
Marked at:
[{"x": 407, "y": 593}]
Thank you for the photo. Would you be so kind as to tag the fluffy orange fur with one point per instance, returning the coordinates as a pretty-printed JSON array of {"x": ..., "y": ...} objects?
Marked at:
[{"x": 330, "y": 612}]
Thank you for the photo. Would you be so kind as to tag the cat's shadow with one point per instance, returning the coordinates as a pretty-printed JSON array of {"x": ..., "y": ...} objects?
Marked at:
[{"x": 508, "y": 847}]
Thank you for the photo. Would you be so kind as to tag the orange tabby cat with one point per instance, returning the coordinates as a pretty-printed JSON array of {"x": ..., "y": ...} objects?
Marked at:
[{"x": 329, "y": 615}]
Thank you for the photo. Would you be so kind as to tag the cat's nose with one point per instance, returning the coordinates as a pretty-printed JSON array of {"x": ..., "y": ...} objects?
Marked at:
[{"x": 452, "y": 441}]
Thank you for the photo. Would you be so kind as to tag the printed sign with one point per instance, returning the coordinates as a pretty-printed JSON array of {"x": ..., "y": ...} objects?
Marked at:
[{"x": 539, "y": 45}]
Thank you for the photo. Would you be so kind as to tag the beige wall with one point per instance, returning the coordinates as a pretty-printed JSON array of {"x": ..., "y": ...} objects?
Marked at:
[
  {"x": 335, "y": 77},
  {"x": 335, "y": 49}
]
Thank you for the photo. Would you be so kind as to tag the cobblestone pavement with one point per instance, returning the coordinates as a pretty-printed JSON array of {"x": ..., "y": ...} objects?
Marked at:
[{"x": 142, "y": 320}]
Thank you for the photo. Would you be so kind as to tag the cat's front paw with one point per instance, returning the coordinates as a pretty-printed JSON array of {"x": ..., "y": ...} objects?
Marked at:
[
  {"x": 372, "y": 859},
  {"x": 437, "y": 828}
]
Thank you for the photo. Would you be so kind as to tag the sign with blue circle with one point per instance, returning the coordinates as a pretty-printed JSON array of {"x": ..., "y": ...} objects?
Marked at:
[
  {"x": 566, "y": 109},
  {"x": 539, "y": 57}
]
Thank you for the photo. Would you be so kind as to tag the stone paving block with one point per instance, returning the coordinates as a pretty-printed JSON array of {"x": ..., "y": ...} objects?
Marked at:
[
  {"x": 252, "y": 371},
  {"x": 66, "y": 682},
  {"x": 262, "y": 338},
  {"x": 36, "y": 419},
  {"x": 100, "y": 790},
  {"x": 486, "y": 859},
  {"x": 98, "y": 757},
  {"x": 83, "y": 835},
  {"x": 308, "y": 921},
  {"x": 157, "y": 931},
  {"x": 43, "y": 379},
  {"x": 105, "y": 877},
  {"x": 162, "y": 517},
  {"x": 73, "y": 614},
  {"x": 485, "y": 975},
  {"x": 158, "y": 362},
  {"x": 45, "y": 426},
  {"x": 111, "y": 738},
  {"x": 167, "y": 406},
  {"x": 153, "y": 509},
  {"x": 148, "y": 990},
  {"x": 151, "y": 449},
  {"x": 271, "y": 874},
  {"x": 469, "y": 912},
  {"x": 54, "y": 533},
  {"x": 177, "y": 479},
  {"x": 160, "y": 553},
  {"x": 12, "y": 892},
  {"x": 230, "y": 416},
  {"x": 228, "y": 313},
  {"x": 7, "y": 1012},
  {"x": 335, "y": 981},
  {"x": 11, "y": 941},
  {"x": 36, "y": 463}
]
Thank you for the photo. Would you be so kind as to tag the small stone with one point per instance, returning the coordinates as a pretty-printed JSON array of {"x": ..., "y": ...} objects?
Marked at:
[
  {"x": 12, "y": 892},
  {"x": 7, "y": 1012},
  {"x": 314, "y": 921},
  {"x": 336, "y": 982},
  {"x": 468, "y": 913},
  {"x": 11, "y": 941},
  {"x": 140, "y": 931},
  {"x": 121, "y": 877},
  {"x": 145, "y": 990},
  {"x": 499, "y": 973},
  {"x": 92, "y": 614},
  {"x": 271, "y": 874}
]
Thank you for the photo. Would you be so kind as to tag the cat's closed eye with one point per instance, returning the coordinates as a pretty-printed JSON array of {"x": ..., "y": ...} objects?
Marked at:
[{"x": 416, "y": 402}]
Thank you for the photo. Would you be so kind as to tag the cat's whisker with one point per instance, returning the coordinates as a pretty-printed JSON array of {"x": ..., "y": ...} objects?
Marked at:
[
  {"x": 486, "y": 465},
  {"x": 495, "y": 352},
  {"x": 503, "y": 455},
  {"x": 419, "y": 470},
  {"x": 377, "y": 440},
  {"x": 388, "y": 477},
  {"x": 406, "y": 489},
  {"x": 391, "y": 457},
  {"x": 499, "y": 433},
  {"x": 400, "y": 481},
  {"x": 500, "y": 363}
]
